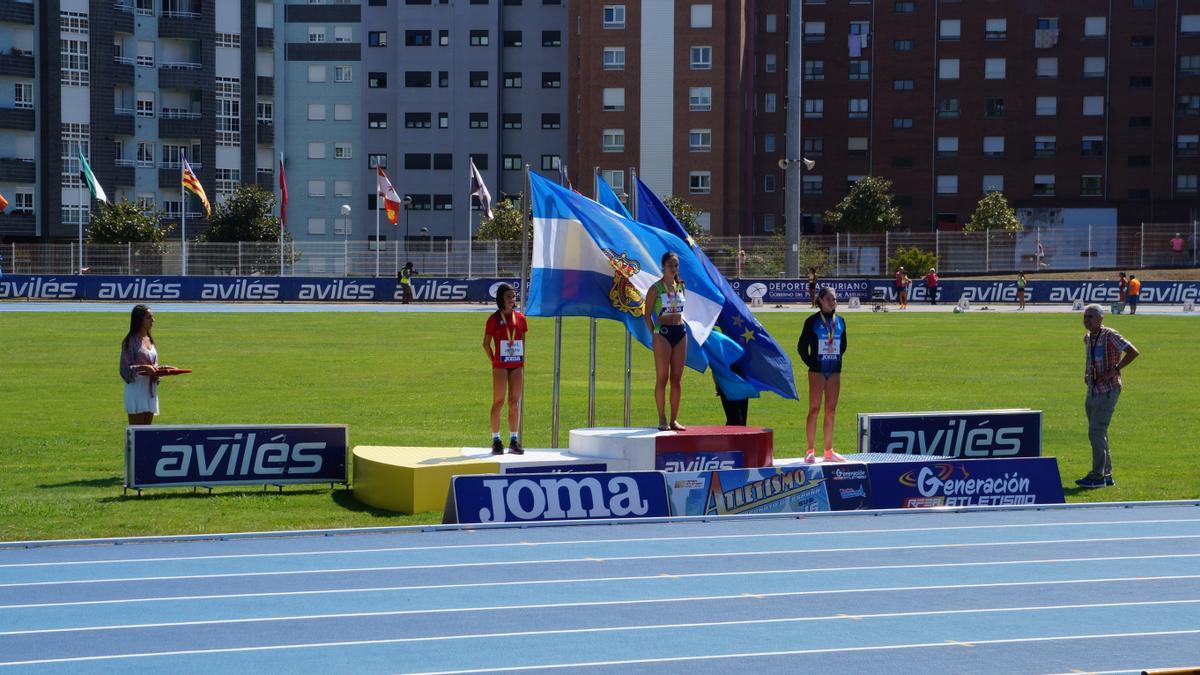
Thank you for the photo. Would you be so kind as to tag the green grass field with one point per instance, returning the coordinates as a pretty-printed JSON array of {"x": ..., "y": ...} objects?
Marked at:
[{"x": 422, "y": 379}]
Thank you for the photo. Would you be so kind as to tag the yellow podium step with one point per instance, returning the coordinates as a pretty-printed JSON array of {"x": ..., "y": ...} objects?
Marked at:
[{"x": 411, "y": 480}]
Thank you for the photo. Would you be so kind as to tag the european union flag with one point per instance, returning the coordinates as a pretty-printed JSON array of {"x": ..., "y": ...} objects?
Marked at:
[
  {"x": 609, "y": 199},
  {"x": 763, "y": 362}
]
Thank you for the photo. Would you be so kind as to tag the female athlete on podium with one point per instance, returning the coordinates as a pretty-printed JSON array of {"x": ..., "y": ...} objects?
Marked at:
[
  {"x": 504, "y": 343},
  {"x": 666, "y": 298},
  {"x": 822, "y": 344}
]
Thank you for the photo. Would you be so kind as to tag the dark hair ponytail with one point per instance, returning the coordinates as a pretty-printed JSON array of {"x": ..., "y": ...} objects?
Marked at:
[{"x": 136, "y": 318}]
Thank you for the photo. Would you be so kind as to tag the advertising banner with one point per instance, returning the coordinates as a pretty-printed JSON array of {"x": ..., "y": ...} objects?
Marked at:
[
  {"x": 790, "y": 489},
  {"x": 848, "y": 486},
  {"x": 246, "y": 289},
  {"x": 493, "y": 498},
  {"x": 699, "y": 461},
  {"x": 976, "y": 482},
  {"x": 1066, "y": 292},
  {"x": 579, "y": 467},
  {"x": 796, "y": 290},
  {"x": 212, "y": 455},
  {"x": 969, "y": 433}
]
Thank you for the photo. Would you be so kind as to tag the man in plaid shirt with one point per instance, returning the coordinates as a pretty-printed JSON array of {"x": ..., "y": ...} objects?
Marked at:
[{"x": 1106, "y": 354}]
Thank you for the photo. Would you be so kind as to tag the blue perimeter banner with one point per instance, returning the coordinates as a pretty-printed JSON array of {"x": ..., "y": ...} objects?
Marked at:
[
  {"x": 246, "y": 289},
  {"x": 971, "y": 434},
  {"x": 494, "y": 498},
  {"x": 971, "y": 482},
  {"x": 284, "y": 454},
  {"x": 1065, "y": 292},
  {"x": 791, "y": 489}
]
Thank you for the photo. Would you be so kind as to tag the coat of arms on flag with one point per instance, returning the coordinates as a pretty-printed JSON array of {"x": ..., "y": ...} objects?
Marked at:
[{"x": 624, "y": 295}]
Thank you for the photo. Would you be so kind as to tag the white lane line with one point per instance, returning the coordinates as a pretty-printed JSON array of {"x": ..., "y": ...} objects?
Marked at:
[
  {"x": 649, "y": 577},
  {"x": 829, "y": 650},
  {"x": 573, "y": 605},
  {"x": 593, "y": 559},
  {"x": 572, "y": 542},
  {"x": 577, "y": 631}
]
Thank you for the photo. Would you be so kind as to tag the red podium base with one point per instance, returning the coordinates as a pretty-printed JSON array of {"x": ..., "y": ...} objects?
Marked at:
[
  {"x": 696, "y": 449},
  {"x": 755, "y": 443}
]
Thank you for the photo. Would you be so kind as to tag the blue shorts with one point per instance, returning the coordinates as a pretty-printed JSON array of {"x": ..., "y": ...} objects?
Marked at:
[
  {"x": 673, "y": 334},
  {"x": 1133, "y": 300}
]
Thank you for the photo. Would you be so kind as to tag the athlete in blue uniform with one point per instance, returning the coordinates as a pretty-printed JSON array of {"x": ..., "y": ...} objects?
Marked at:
[{"x": 822, "y": 344}]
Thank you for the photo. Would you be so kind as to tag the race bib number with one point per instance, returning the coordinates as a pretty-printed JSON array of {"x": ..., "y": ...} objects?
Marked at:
[
  {"x": 827, "y": 349},
  {"x": 512, "y": 351}
]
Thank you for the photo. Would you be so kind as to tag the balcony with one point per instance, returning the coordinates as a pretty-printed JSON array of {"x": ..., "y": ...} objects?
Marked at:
[
  {"x": 178, "y": 124},
  {"x": 122, "y": 19},
  {"x": 19, "y": 119},
  {"x": 13, "y": 170},
  {"x": 266, "y": 85},
  {"x": 121, "y": 174},
  {"x": 265, "y": 38},
  {"x": 16, "y": 12},
  {"x": 183, "y": 76},
  {"x": 16, "y": 64},
  {"x": 122, "y": 70},
  {"x": 123, "y": 121},
  {"x": 18, "y": 224},
  {"x": 265, "y": 178},
  {"x": 265, "y": 131},
  {"x": 175, "y": 24}
]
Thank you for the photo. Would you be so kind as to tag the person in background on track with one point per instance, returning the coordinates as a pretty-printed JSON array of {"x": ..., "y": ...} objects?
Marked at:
[
  {"x": 404, "y": 278},
  {"x": 139, "y": 363},
  {"x": 504, "y": 343},
  {"x": 1135, "y": 292},
  {"x": 1021, "y": 284},
  {"x": 931, "y": 285},
  {"x": 667, "y": 298},
  {"x": 1106, "y": 354},
  {"x": 812, "y": 286},
  {"x": 1123, "y": 288},
  {"x": 821, "y": 345},
  {"x": 902, "y": 282}
]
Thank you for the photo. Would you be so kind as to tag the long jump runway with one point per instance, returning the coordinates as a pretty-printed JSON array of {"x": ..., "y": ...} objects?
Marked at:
[{"x": 1101, "y": 588}]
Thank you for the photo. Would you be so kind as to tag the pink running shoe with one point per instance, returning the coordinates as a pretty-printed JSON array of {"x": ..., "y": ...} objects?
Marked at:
[
  {"x": 831, "y": 456},
  {"x": 810, "y": 457}
]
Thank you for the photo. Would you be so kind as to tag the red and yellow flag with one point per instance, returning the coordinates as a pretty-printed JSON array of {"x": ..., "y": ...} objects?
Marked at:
[
  {"x": 3, "y": 203},
  {"x": 192, "y": 184},
  {"x": 391, "y": 200}
]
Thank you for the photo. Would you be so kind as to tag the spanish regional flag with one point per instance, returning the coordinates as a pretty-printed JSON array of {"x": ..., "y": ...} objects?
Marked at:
[
  {"x": 391, "y": 200},
  {"x": 192, "y": 184},
  {"x": 3, "y": 203}
]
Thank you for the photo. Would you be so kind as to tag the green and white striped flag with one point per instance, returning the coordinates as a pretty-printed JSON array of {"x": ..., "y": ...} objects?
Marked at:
[{"x": 85, "y": 172}]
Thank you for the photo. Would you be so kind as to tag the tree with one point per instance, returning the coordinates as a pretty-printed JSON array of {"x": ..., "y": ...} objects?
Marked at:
[
  {"x": 994, "y": 213},
  {"x": 867, "y": 208},
  {"x": 125, "y": 222},
  {"x": 688, "y": 216},
  {"x": 248, "y": 215},
  {"x": 505, "y": 225},
  {"x": 914, "y": 261}
]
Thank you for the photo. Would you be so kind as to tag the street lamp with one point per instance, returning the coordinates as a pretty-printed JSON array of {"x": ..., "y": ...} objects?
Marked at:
[
  {"x": 793, "y": 229},
  {"x": 346, "y": 239},
  {"x": 407, "y": 201},
  {"x": 425, "y": 257}
]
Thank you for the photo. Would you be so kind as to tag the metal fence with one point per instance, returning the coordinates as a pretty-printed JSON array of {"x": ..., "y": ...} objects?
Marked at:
[{"x": 844, "y": 255}]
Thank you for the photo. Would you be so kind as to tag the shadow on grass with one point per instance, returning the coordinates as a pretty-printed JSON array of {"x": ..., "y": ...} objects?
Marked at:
[
  {"x": 155, "y": 494},
  {"x": 347, "y": 500},
  {"x": 112, "y": 481}
]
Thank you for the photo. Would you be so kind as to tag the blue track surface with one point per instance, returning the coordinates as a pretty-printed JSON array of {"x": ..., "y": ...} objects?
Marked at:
[{"x": 1042, "y": 590}]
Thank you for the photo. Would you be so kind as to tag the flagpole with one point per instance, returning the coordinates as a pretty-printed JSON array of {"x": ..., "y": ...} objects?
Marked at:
[
  {"x": 82, "y": 202},
  {"x": 470, "y": 183},
  {"x": 182, "y": 221},
  {"x": 279, "y": 191},
  {"x": 592, "y": 329},
  {"x": 377, "y": 224},
  {"x": 523, "y": 275},
  {"x": 633, "y": 209}
]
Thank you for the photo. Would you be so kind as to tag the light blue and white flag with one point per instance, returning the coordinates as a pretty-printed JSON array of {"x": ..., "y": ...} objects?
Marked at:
[{"x": 589, "y": 261}]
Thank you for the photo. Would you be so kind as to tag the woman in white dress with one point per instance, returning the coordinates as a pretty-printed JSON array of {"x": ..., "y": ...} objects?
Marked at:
[{"x": 139, "y": 362}]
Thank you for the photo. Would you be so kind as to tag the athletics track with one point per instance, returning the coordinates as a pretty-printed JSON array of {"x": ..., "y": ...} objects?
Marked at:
[{"x": 1101, "y": 588}]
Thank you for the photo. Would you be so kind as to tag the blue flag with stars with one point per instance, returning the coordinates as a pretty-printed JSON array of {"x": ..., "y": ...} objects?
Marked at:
[
  {"x": 609, "y": 199},
  {"x": 763, "y": 363}
]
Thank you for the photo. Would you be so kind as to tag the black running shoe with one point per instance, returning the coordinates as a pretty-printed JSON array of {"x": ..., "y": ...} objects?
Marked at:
[
  {"x": 497, "y": 446},
  {"x": 514, "y": 447}
]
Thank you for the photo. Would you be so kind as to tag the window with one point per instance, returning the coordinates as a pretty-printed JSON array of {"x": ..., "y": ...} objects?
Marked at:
[
  {"x": 905, "y": 6},
  {"x": 993, "y": 183},
  {"x": 814, "y": 31},
  {"x": 414, "y": 120},
  {"x": 995, "y": 29},
  {"x": 229, "y": 40},
  {"x": 74, "y": 141},
  {"x": 947, "y": 69},
  {"x": 859, "y": 108},
  {"x": 856, "y": 146},
  {"x": 418, "y": 78},
  {"x": 701, "y": 58},
  {"x": 551, "y": 121},
  {"x": 23, "y": 201},
  {"x": 614, "y": 58},
  {"x": 443, "y": 38},
  {"x": 902, "y": 123},
  {"x": 993, "y": 146},
  {"x": 342, "y": 188},
  {"x": 1186, "y": 183},
  {"x": 1046, "y": 106},
  {"x": 614, "y": 16},
  {"x": 1140, "y": 122},
  {"x": 1189, "y": 64},
  {"x": 480, "y": 160},
  {"x": 1141, "y": 41},
  {"x": 769, "y": 183},
  {"x": 903, "y": 45},
  {"x": 1093, "y": 106},
  {"x": 1189, "y": 24},
  {"x": 377, "y": 38},
  {"x": 443, "y": 120},
  {"x": 994, "y": 69},
  {"x": 1093, "y": 66},
  {"x": 814, "y": 147},
  {"x": 860, "y": 27},
  {"x": 814, "y": 70},
  {"x": 316, "y": 151},
  {"x": 700, "y": 140},
  {"x": 860, "y": 69},
  {"x": 478, "y": 38},
  {"x": 377, "y": 161},
  {"x": 443, "y": 161},
  {"x": 551, "y": 80},
  {"x": 551, "y": 162},
  {"x": 1047, "y": 23},
  {"x": 948, "y": 108},
  {"x": 343, "y": 112},
  {"x": 812, "y": 185},
  {"x": 770, "y": 65},
  {"x": 947, "y": 146},
  {"x": 418, "y": 161},
  {"x": 772, "y": 23},
  {"x": 699, "y": 182},
  {"x": 316, "y": 34},
  {"x": 1139, "y": 194},
  {"x": 902, "y": 162},
  {"x": 615, "y": 179},
  {"x": 377, "y": 80},
  {"x": 1188, "y": 106},
  {"x": 1045, "y": 146},
  {"x": 513, "y": 162},
  {"x": 947, "y": 185},
  {"x": 1091, "y": 185},
  {"x": 316, "y": 111},
  {"x": 551, "y": 38},
  {"x": 1095, "y": 26},
  {"x": 379, "y": 121},
  {"x": 342, "y": 34},
  {"x": 700, "y": 99},
  {"x": 145, "y": 104},
  {"x": 614, "y": 99},
  {"x": 343, "y": 73},
  {"x": 702, "y": 16},
  {"x": 316, "y": 226},
  {"x": 479, "y": 79},
  {"x": 950, "y": 29},
  {"x": 1143, "y": 4},
  {"x": 316, "y": 188},
  {"x": 418, "y": 38},
  {"x": 229, "y": 111},
  {"x": 73, "y": 22},
  {"x": 23, "y": 95},
  {"x": 420, "y": 202},
  {"x": 814, "y": 108},
  {"x": 613, "y": 140},
  {"x": 1187, "y": 145},
  {"x": 316, "y": 73},
  {"x": 145, "y": 154},
  {"x": 512, "y": 80},
  {"x": 903, "y": 85},
  {"x": 768, "y": 142},
  {"x": 513, "y": 38},
  {"x": 75, "y": 64},
  {"x": 1043, "y": 185},
  {"x": 443, "y": 202},
  {"x": 1047, "y": 67},
  {"x": 1092, "y": 146},
  {"x": 769, "y": 102},
  {"x": 443, "y": 79},
  {"x": 1141, "y": 81},
  {"x": 511, "y": 120},
  {"x": 477, "y": 120}
]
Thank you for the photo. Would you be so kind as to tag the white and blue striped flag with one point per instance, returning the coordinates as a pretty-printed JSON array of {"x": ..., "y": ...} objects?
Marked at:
[{"x": 589, "y": 261}]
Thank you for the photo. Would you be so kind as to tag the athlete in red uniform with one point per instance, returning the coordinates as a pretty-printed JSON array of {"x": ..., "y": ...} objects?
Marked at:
[{"x": 504, "y": 343}]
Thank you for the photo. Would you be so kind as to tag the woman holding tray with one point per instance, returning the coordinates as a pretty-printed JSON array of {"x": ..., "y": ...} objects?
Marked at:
[{"x": 139, "y": 367}]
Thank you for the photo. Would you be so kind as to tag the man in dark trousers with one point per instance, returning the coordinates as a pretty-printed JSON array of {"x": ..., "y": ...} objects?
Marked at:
[
  {"x": 404, "y": 278},
  {"x": 931, "y": 285},
  {"x": 735, "y": 411}
]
